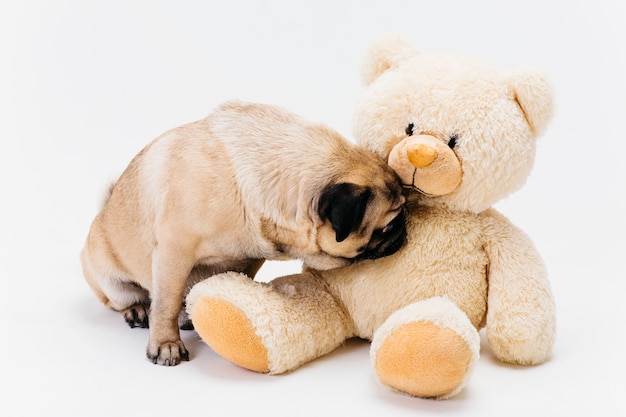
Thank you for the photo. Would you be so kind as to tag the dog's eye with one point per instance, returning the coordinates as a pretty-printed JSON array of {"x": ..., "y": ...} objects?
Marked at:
[
  {"x": 409, "y": 129},
  {"x": 387, "y": 228},
  {"x": 452, "y": 141}
]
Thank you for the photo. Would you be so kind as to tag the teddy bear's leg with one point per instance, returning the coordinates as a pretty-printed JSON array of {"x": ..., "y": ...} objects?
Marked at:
[
  {"x": 268, "y": 327},
  {"x": 427, "y": 349}
]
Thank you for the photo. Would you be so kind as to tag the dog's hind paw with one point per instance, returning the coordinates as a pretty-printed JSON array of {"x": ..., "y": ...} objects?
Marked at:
[{"x": 137, "y": 315}]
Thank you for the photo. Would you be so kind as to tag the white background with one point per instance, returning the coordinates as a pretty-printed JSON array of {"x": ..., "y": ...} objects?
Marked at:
[{"x": 85, "y": 85}]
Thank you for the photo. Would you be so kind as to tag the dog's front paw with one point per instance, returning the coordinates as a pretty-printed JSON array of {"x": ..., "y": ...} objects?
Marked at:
[{"x": 168, "y": 353}]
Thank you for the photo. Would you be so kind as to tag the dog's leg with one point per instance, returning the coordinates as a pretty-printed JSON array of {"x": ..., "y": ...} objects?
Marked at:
[
  {"x": 170, "y": 270},
  {"x": 113, "y": 289}
]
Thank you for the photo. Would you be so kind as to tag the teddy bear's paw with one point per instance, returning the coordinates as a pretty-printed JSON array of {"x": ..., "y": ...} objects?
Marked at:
[
  {"x": 520, "y": 342},
  {"x": 230, "y": 333},
  {"x": 425, "y": 357},
  {"x": 222, "y": 309}
]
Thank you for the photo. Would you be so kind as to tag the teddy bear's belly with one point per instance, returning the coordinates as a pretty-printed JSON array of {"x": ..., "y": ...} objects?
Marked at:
[{"x": 443, "y": 256}]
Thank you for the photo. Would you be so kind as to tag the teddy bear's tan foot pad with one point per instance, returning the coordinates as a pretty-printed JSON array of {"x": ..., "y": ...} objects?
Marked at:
[
  {"x": 423, "y": 359},
  {"x": 230, "y": 333}
]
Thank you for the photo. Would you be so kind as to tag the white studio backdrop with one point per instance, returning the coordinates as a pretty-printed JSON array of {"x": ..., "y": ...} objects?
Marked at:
[{"x": 84, "y": 85}]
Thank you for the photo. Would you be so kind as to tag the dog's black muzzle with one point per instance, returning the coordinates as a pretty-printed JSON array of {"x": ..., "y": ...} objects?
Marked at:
[{"x": 386, "y": 241}]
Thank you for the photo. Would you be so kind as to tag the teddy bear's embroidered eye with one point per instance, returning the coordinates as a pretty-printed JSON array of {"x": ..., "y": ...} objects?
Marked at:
[
  {"x": 452, "y": 141},
  {"x": 409, "y": 129}
]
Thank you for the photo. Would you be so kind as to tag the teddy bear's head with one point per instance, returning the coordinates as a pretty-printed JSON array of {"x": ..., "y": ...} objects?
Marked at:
[{"x": 459, "y": 131}]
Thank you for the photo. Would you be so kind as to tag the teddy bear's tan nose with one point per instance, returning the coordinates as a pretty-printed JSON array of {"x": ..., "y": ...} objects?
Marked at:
[{"x": 421, "y": 155}]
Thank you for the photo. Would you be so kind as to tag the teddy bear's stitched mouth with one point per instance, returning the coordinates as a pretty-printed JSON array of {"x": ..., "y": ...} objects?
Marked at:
[{"x": 412, "y": 186}]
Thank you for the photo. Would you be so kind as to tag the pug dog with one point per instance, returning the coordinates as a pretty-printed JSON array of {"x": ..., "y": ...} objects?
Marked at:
[{"x": 248, "y": 183}]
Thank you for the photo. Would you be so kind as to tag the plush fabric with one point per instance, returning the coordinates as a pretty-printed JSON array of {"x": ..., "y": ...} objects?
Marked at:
[{"x": 461, "y": 135}]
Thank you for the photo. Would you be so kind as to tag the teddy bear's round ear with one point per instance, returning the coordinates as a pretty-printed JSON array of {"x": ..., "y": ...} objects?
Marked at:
[
  {"x": 533, "y": 93},
  {"x": 384, "y": 53}
]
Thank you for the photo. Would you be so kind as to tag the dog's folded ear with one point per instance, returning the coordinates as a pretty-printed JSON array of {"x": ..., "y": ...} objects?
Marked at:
[{"x": 343, "y": 205}]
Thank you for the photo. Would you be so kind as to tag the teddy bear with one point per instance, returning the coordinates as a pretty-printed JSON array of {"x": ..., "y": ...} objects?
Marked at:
[{"x": 461, "y": 135}]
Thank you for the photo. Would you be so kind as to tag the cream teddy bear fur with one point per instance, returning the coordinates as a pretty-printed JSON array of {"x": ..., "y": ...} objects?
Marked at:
[{"x": 461, "y": 135}]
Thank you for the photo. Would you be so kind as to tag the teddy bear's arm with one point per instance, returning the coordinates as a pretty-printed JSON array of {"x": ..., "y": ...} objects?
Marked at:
[{"x": 521, "y": 319}]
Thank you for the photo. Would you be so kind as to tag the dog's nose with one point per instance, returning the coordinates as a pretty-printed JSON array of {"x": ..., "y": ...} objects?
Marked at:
[{"x": 421, "y": 155}]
